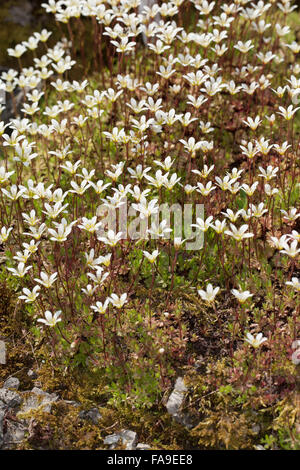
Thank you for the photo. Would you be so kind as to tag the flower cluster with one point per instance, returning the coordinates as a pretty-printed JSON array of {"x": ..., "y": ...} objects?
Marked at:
[{"x": 202, "y": 111}]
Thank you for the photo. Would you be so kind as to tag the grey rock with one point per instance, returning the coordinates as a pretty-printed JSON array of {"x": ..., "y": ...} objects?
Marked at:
[
  {"x": 9, "y": 111},
  {"x": 112, "y": 440},
  {"x": 32, "y": 374},
  {"x": 2, "y": 353},
  {"x": 142, "y": 447},
  {"x": 2, "y": 412},
  {"x": 12, "y": 383},
  {"x": 256, "y": 428},
  {"x": 92, "y": 415},
  {"x": 10, "y": 398},
  {"x": 72, "y": 403},
  {"x": 176, "y": 398},
  {"x": 12, "y": 105},
  {"x": 15, "y": 433},
  {"x": 21, "y": 14},
  {"x": 38, "y": 399},
  {"x": 127, "y": 437},
  {"x": 175, "y": 401}
]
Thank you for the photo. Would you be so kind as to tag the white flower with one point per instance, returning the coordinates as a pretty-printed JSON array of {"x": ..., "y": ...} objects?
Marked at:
[
  {"x": 30, "y": 296},
  {"x": 295, "y": 235},
  {"x": 205, "y": 172},
  {"x": 36, "y": 232},
  {"x": 63, "y": 231},
  {"x": 278, "y": 243},
  {"x": 17, "y": 52},
  {"x": 257, "y": 211},
  {"x": 105, "y": 259},
  {"x": 90, "y": 225},
  {"x": 250, "y": 151},
  {"x": 4, "y": 175},
  {"x": 139, "y": 172},
  {"x": 239, "y": 233},
  {"x": 30, "y": 219},
  {"x": 22, "y": 257},
  {"x": 98, "y": 278},
  {"x": 146, "y": 208},
  {"x": 100, "y": 307},
  {"x": 205, "y": 190},
  {"x": 54, "y": 211},
  {"x": 99, "y": 187},
  {"x": 159, "y": 231},
  {"x": 159, "y": 180},
  {"x": 32, "y": 246},
  {"x": 178, "y": 242},
  {"x": 291, "y": 215},
  {"x": 225, "y": 183},
  {"x": 4, "y": 234},
  {"x": 210, "y": 293},
  {"x": 151, "y": 256},
  {"x": 291, "y": 250},
  {"x": 71, "y": 167},
  {"x": 80, "y": 189},
  {"x": 13, "y": 192},
  {"x": 20, "y": 271},
  {"x": 189, "y": 189},
  {"x": 46, "y": 280},
  {"x": 191, "y": 145},
  {"x": 89, "y": 290},
  {"x": 255, "y": 341},
  {"x": 203, "y": 225},
  {"x": 244, "y": 47},
  {"x": 253, "y": 124},
  {"x": 241, "y": 296},
  {"x": 166, "y": 165},
  {"x": 219, "y": 227},
  {"x": 287, "y": 113},
  {"x": 296, "y": 357},
  {"x": 263, "y": 146},
  {"x": 232, "y": 216},
  {"x": 269, "y": 173},
  {"x": 296, "y": 352},
  {"x": 112, "y": 238},
  {"x": 118, "y": 301},
  {"x": 295, "y": 283},
  {"x": 51, "y": 320}
]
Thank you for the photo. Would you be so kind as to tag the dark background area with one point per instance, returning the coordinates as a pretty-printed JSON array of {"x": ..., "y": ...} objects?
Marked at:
[{"x": 18, "y": 20}]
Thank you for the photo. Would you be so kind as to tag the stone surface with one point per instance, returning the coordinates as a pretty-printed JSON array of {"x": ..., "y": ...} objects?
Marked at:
[
  {"x": 38, "y": 399},
  {"x": 21, "y": 14},
  {"x": 16, "y": 424},
  {"x": 9, "y": 112},
  {"x": 72, "y": 403},
  {"x": 6, "y": 99},
  {"x": 2, "y": 353},
  {"x": 176, "y": 398},
  {"x": 10, "y": 398},
  {"x": 14, "y": 434},
  {"x": 12, "y": 383},
  {"x": 142, "y": 447},
  {"x": 32, "y": 374},
  {"x": 126, "y": 437},
  {"x": 2, "y": 412},
  {"x": 92, "y": 415},
  {"x": 175, "y": 401}
]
